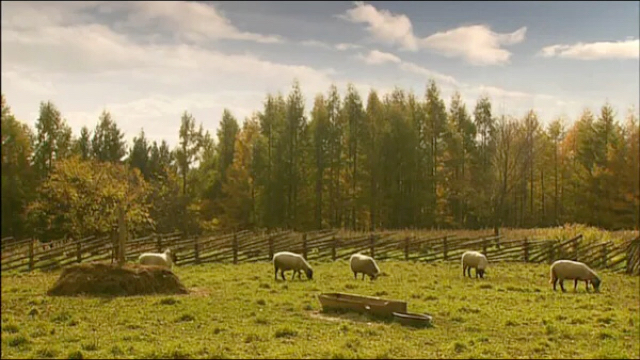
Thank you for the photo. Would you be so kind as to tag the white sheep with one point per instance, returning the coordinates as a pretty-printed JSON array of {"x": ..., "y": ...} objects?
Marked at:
[
  {"x": 474, "y": 259},
  {"x": 166, "y": 259},
  {"x": 286, "y": 260},
  {"x": 364, "y": 264},
  {"x": 572, "y": 270}
]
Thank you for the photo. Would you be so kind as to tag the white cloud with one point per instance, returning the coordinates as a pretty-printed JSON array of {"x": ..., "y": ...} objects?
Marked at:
[
  {"x": 85, "y": 67},
  {"x": 389, "y": 28},
  {"x": 194, "y": 20},
  {"x": 186, "y": 20},
  {"x": 316, "y": 43},
  {"x": 376, "y": 57},
  {"x": 429, "y": 74},
  {"x": 347, "y": 46},
  {"x": 324, "y": 45},
  {"x": 477, "y": 44},
  {"x": 26, "y": 82},
  {"x": 96, "y": 48},
  {"x": 628, "y": 49},
  {"x": 44, "y": 13},
  {"x": 500, "y": 93}
]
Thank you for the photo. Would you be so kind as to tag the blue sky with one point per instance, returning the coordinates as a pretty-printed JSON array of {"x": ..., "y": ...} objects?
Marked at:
[{"x": 147, "y": 62}]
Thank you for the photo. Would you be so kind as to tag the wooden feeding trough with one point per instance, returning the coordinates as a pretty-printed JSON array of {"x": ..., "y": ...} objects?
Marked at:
[
  {"x": 362, "y": 304},
  {"x": 412, "y": 319}
]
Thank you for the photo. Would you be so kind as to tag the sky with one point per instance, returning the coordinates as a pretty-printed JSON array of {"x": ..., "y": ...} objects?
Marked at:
[{"x": 148, "y": 62}]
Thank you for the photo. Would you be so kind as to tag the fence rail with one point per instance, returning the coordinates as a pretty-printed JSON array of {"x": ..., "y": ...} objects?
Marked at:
[{"x": 324, "y": 245}]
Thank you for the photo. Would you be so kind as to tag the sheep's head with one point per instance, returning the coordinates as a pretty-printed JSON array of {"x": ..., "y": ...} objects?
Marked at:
[
  {"x": 171, "y": 255},
  {"x": 309, "y": 273},
  {"x": 596, "y": 283},
  {"x": 481, "y": 273},
  {"x": 375, "y": 275}
]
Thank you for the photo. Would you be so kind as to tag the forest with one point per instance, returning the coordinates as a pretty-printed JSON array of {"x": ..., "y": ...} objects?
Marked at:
[{"x": 390, "y": 161}]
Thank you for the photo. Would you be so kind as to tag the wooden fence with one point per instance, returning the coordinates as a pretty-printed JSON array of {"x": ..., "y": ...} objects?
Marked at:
[{"x": 325, "y": 245}]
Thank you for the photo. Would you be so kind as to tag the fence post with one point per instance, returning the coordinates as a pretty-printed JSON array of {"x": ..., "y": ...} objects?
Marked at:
[
  {"x": 122, "y": 232},
  {"x": 551, "y": 251},
  {"x": 635, "y": 256},
  {"x": 333, "y": 248},
  {"x": 196, "y": 248},
  {"x": 444, "y": 248},
  {"x": 406, "y": 248},
  {"x": 79, "y": 252},
  {"x": 605, "y": 253},
  {"x": 235, "y": 248},
  {"x": 484, "y": 246},
  {"x": 159, "y": 242},
  {"x": 630, "y": 258},
  {"x": 526, "y": 249},
  {"x": 270, "y": 247},
  {"x": 372, "y": 241},
  {"x": 304, "y": 245},
  {"x": 31, "y": 255},
  {"x": 575, "y": 248},
  {"x": 114, "y": 244}
]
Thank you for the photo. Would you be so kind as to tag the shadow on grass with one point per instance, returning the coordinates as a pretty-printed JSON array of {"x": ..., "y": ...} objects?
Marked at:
[{"x": 363, "y": 318}]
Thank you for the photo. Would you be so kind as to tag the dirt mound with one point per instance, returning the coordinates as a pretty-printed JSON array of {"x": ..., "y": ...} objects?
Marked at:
[{"x": 111, "y": 279}]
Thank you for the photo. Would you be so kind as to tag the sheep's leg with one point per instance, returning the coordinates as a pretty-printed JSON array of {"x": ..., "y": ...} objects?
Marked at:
[
  {"x": 476, "y": 273},
  {"x": 282, "y": 274},
  {"x": 299, "y": 275},
  {"x": 355, "y": 275},
  {"x": 562, "y": 285},
  {"x": 575, "y": 285},
  {"x": 363, "y": 274},
  {"x": 469, "y": 271},
  {"x": 586, "y": 283},
  {"x": 276, "y": 274},
  {"x": 555, "y": 281},
  {"x": 464, "y": 269}
]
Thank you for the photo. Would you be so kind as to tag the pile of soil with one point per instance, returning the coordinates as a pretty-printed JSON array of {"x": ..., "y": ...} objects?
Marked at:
[{"x": 114, "y": 280}]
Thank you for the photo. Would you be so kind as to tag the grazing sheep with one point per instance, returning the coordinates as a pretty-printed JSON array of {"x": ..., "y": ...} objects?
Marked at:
[
  {"x": 474, "y": 259},
  {"x": 573, "y": 270},
  {"x": 286, "y": 260},
  {"x": 167, "y": 258},
  {"x": 364, "y": 264}
]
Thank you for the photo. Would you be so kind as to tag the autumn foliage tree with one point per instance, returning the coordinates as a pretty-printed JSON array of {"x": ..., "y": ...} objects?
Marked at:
[{"x": 80, "y": 198}]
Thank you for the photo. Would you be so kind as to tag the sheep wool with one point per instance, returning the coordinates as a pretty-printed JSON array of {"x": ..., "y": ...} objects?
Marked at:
[
  {"x": 166, "y": 259},
  {"x": 474, "y": 259},
  {"x": 286, "y": 260},
  {"x": 573, "y": 270},
  {"x": 364, "y": 264}
]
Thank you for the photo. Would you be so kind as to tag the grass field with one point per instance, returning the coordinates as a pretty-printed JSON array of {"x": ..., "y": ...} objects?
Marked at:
[{"x": 241, "y": 312}]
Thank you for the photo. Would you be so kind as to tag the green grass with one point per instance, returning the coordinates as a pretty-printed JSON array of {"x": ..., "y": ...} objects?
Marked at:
[{"x": 241, "y": 312}]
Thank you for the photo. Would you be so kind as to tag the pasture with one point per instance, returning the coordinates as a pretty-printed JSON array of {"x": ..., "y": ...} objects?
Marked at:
[{"x": 240, "y": 311}]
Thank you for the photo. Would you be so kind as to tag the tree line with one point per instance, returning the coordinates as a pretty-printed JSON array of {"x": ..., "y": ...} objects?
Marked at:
[{"x": 401, "y": 161}]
